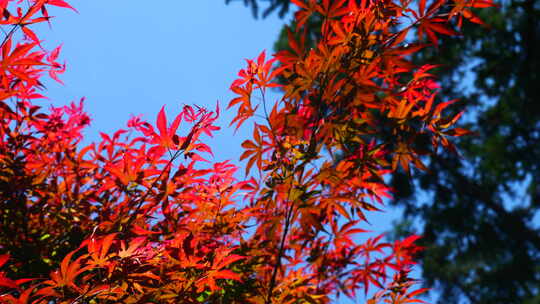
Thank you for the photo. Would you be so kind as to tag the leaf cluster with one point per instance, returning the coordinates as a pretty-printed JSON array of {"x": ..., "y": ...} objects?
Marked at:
[{"x": 142, "y": 216}]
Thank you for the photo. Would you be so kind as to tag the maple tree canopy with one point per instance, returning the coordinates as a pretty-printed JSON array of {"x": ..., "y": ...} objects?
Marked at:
[{"x": 142, "y": 216}]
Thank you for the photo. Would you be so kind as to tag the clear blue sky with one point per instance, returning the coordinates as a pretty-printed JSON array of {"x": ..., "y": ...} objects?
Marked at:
[{"x": 132, "y": 57}]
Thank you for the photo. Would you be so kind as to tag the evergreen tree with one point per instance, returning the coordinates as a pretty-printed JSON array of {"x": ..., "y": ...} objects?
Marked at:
[{"x": 480, "y": 211}]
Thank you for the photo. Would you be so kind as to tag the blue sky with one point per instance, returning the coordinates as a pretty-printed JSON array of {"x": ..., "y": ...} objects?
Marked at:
[{"x": 129, "y": 58}]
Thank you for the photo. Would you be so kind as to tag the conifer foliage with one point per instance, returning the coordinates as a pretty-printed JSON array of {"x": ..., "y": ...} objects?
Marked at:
[{"x": 142, "y": 216}]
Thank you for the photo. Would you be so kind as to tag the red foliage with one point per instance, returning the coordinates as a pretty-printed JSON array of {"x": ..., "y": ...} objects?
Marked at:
[{"x": 141, "y": 217}]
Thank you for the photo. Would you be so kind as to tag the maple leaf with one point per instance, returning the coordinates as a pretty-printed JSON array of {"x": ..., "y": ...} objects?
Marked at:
[
  {"x": 67, "y": 275},
  {"x": 4, "y": 281},
  {"x": 98, "y": 250},
  {"x": 218, "y": 271},
  {"x": 60, "y": 3}
]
